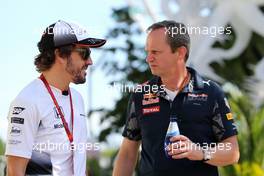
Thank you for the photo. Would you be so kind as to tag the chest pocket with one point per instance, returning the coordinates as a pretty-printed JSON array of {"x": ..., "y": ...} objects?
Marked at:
[{"x": 195, "y": 108}]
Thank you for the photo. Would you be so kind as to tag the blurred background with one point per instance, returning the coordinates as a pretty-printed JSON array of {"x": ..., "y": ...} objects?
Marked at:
[{"x": 233, "y": 59}]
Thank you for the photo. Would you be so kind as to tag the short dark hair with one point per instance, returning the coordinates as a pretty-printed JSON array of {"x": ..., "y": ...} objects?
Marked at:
[
  {"x": 177, "y": 39},
  {"x": 46, "y": 58}
]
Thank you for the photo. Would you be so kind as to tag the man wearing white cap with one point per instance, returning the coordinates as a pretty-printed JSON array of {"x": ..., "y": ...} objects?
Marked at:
[{"x": 46, "y": 121}]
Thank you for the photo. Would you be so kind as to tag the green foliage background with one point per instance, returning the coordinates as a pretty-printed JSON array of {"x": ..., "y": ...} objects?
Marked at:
[{"x": 237, "y": 71}]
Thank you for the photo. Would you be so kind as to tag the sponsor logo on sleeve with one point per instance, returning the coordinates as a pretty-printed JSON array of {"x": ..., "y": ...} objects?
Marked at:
[
  {"x": 15, "y": 131},
  {"x": 17, "y": 120},
  {"x": 14, "y": 142},
  {"x": 17, "y": 110},
  {"x": 229, "y": 116},
  {"x": 151, "y": 109}
]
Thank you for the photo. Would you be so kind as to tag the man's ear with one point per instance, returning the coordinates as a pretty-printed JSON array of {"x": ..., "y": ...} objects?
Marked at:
[
  {"x": 58, "y": 58},
  {"x": 182, "y": 51}
]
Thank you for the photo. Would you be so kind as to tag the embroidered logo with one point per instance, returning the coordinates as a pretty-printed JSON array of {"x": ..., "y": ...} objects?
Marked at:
[
  {"x": 151, "y": 109},
  {"x": 18, "y": 110},
  {"x": 150, "y": 101},
  {"x": 149, "y": 95},
  {"x": 197, "y": 97},
  {"x": 229, "y": 116},
  {"x": 56, "y": 113},
  {"x": 17, "y": 120},
  {"x": 207, "y": 82},
  {"x": 15, "y": 131}
]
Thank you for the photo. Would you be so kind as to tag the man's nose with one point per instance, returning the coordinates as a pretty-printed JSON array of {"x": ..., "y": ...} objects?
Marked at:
[
  {"x": 149, "y": 58},
  {"x": 89, "y": 61}
]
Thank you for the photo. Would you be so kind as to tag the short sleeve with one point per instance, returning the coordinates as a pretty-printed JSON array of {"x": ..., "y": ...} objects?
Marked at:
[
  {"x": 23, "y": 124},
  {"x": 223, "y": 122},
  {"x": 132, "y": 129}
]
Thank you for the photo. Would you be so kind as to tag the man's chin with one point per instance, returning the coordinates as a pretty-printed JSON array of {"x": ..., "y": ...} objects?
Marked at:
[
  {"x": 154, "y": 73},
  {"x": 82, "y": 82},
  {"x": 79, "y": 81}
]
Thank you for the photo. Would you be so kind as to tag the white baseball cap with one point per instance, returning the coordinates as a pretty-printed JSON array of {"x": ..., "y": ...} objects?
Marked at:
[{"x": 63, "y": 33}]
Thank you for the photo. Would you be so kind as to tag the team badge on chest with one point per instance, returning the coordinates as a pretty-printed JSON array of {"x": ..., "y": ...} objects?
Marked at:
[
  {"x": 150, "y": 99},
  {"x": 151, "y": 110}
]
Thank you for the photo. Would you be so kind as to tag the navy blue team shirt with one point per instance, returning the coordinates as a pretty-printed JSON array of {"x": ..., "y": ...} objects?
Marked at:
[{"x": 203, "y": 114}]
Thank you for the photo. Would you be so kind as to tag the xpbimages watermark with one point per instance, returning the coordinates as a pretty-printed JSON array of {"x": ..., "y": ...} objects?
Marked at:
[
  {"x": 211, "y": 31},
  {"x": 61, "y": 31},
  {"x": 213, "y": 147},
  {"x": 59, "y": 146},
  {"x": 137, "y": 88}
]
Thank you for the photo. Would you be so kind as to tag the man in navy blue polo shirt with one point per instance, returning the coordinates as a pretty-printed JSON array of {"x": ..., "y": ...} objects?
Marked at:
[{"x": 208, "y": 134}]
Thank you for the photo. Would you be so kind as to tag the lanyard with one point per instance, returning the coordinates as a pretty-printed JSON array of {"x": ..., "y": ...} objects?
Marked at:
[
  {"x": 184, "y": 81},
  {"x": 65, "y": 124}
]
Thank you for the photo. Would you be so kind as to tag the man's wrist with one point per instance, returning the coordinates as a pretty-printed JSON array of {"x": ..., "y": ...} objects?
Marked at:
[{"x": 207, "y": 154}]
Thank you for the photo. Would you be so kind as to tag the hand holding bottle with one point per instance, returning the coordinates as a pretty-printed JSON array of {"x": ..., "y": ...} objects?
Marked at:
[
  {"x": 182, "y": 147},
  {"x": 173, "y": 130}
]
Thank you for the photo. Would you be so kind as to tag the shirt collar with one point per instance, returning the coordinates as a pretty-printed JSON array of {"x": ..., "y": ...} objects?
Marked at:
[{"x": 195, "y": 84}]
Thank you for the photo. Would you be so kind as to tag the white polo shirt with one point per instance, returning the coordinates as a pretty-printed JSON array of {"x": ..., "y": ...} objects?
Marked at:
[{"x": 34, "y": 125}]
